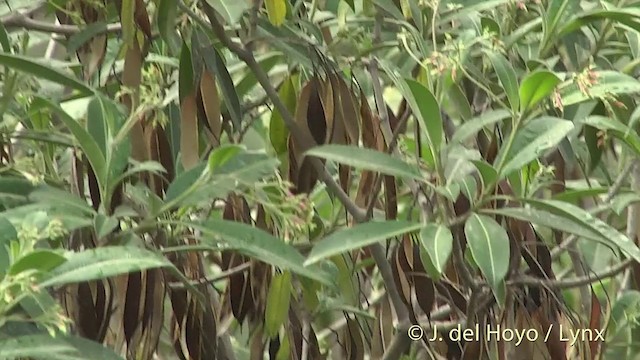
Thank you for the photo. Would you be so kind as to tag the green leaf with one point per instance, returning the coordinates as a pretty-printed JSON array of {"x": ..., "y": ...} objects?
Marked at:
[
  {"x": 357, "y": 237},
  {"x": 166, "y": 19},
  {"x": 608, "y": 83},
  {"x": 544, "y": 218},
  {"x": 111, "y": 117},
  {"x": 39, "y": 260},
  {"x": 622, "y": 201},
  {"x": 489, "y": 245},
  {"x": 5, "y": 43},
  {"x": 7, "y": 231},
  {"x": 471, "y": 127},
  {"x": 276, "y": 11},
  {"x": 488, "y": 173},
  {"x": 127, "y": 19},
  {"x": 106, "y": 122},
  {"x": 390, "y": 7},
  {"x": 222, "y": 155},
  {"x": 278, "y": 131},
  {"x": 14, "y": 191},
  {"x": 278, "y": 299},
  {"x": 40, "y": 71},
  {"x": 7, "y": 234},
  {"x": 89, "y": 146},
  {"x": 427, "y": 111},
  {"x": 287, "y": 41},
  {"x": 366, "y": 159},
  {"x": 507, "y": 77},
  {"x": 183, "y": 182},
  {"x": 469, "y": 8},
  {"x": 186, "y": 79},
  {"x": 614, "y": 127},
  {"x": 197, "y": 185},
  {"x": 87, "y": 33},
  {"x": 246, "y": 80},
  {"x": 153, "y": 167},
  {"x": 104, "y": 225},
  {"x": 347, "y": 287},
  {"x": 490, "y": 25},
  {"x": 258, "y": 244},
  {"x": 608, "y": 235},
  {"x": 533, "y": 140},
  {"x": 627, "y": 16},
  {"x": 57, "y": 198},
  {"x": 555, "y": 11},
  {"x": 103, "y": 262},
  {"x": 438, "y": 242},
  {"x": 60, "y": 347},
  {"x": 535, "y": 87},
  {"x": 230, "y": 10}
]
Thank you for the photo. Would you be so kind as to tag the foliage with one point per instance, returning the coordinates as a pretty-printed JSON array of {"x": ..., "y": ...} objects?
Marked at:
[{"x": 217, "y": 179}]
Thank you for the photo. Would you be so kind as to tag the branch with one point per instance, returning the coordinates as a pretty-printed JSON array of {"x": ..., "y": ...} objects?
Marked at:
[
  {"x": 573, "y": 282},
  {"x": 22, "y": 19}
]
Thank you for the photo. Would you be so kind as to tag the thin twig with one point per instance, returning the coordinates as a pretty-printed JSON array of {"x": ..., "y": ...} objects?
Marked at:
[
  {"x": 573, "y": 282},
  {"x": 22, "y": 19}
]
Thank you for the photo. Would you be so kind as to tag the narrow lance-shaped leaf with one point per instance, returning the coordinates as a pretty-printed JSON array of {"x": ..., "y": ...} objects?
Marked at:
[
  {"x": 471, "y": 127},
  {"x": 535, "y": 87},
  {"x": 438, "y": 242},
  {"x": 278, "y": 301},
  {"x": 230, "y": 10},
  {"x": 127, "y": 19},
  {"x": 89, "y": 147},
  {"x": 5, "y": 43},
  {"x": 425, "y": 109},
  {"x": 258, "y": 244},
  {"x": 186, "y": 76},
  {"x": 489, "y": 245},
  {"x": 629, "y": 17},
  {"x": 38, "y": 260},
  {"x": 103, "y": 262},
  {"x": 608, "y": 234},
  {"x": 533, "y": 140},
  {"x": 31, "y": 66},
  {"x": 428, "y": 112},
  {"x": 278, "y": 131},
  {"x": 607, "y": 83},
  {"x": 366, "y": 159},
  {"x": 276, "y": 11},
  {"x": 545, "y": 218},
  {"x": 357, "y": 237},
  {"x": 166, "y": 15},
  {"x": 44, "y": 346},
  {"x": 507, "y": 77},
  {"x": 615, "y": 128}
]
